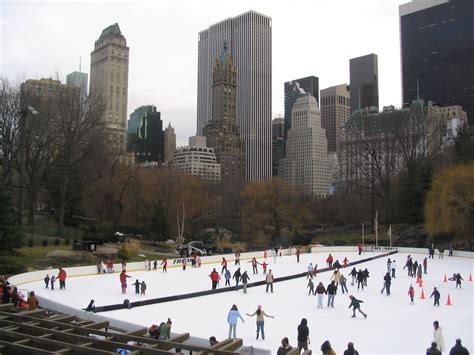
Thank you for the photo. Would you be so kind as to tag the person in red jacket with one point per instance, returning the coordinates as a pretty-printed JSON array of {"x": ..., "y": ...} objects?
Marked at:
[
  {"x": 298, "y": 252},
  {"x": 123, "y": 280},
  {"x": 214, "y": 278},
  {"x": 411, "y": 293},
  {"x": 224, "y": 265},
  {"x": 345, "y": 261},
  {"x": 164, "y": 263},
  {"x": 329, "y": 261},
  {"x": 62, "y": 279}
]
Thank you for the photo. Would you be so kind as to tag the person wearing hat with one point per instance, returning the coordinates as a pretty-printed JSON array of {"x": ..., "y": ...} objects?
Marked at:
[
  {"x": 458, "y": 349},
  {"x": 285, "y": 347},
  {"x": 260, "y": 320},
  {"x": 433, "y": 350}
]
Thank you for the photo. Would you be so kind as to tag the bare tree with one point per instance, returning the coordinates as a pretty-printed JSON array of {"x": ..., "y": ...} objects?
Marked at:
[{"x": 80, "y": 149}]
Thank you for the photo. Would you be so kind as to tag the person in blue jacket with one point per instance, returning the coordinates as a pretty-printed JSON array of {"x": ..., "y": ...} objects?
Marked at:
[{"x": 232, "y": 319}]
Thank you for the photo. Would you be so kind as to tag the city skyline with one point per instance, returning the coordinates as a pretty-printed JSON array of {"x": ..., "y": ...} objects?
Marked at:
[{"x": 163, "y": 67}]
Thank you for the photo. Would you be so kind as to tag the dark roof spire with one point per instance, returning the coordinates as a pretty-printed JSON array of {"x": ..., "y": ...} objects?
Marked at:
[{"x": 111, "y": 31}]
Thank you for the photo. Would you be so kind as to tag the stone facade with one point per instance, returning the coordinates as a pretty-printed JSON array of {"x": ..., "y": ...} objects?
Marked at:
[
  {"x": 222, "y": 132},
  {"x": 307, "y": 165},
  {"x": 109, "y": 81},
  {"x": 170, "y": 143}
]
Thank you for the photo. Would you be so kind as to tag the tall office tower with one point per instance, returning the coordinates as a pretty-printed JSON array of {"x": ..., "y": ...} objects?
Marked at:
[
  {"x": 197, "y": 159},
  {"x": 335, "y": 111},
  {"x": 307, "y": 164},
  {"x": 437, "y": 46},
  {"x": 147, "y": 142},
  {"x": 170, "y": 143},
  {"x": 109, "y": 81},
  {"x": 249, "y": 37},
  {"x": 222, "y": 132},
  {"x": 364, "y": 85},
  {"x": 278, "y": 143},
  {"x": 295, "y": 89},
  {"x": 79, "y": 80}
]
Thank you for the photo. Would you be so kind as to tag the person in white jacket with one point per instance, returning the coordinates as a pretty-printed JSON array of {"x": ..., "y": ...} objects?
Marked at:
[{"x": 438, "y": 336}]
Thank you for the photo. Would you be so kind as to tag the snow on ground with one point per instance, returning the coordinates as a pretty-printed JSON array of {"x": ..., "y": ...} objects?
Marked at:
[{"x": 393, "y": 326}]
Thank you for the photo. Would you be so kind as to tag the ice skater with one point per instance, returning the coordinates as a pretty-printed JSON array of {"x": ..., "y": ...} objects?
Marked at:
[
  {"x": 137, "y": 287},
  {"x": 438, "y": 336},
  {"x": 436, "y": 296},
  {"x": 387, "y": 282},
  {"x": 142, "y": 288},
  {"x": 269, "y": 281},
  {"x": 164, "y": 264},
  {"x": 425, "y": 265},
  {"x": 336, "y": 276},
  {"x": 353, "y": 274},
  {"x": 214, "y": 278},
  {"x": 232, "y": 318},
  {"x": 320, "y": 291},
  {"x": 184, "y": 262},
  {"x": 366, "y": 276},
  {"x": 260, "y": 320},
  {"x": 331, "y": 290},
  {"x": 458, "y": 280},
  {"x": 310, "y": 286},
  {"x": 224, "y": 265},
  {"x": 298, "y": 252},
  {"x": 451, "y": 249},
  {"x": 310, "y": 271},
  {"x": 155, "y": 265},
  {"x": 345, "y": 261},
  {"x": 237, "y": 258},
  {"x": 360, "y": 279},
  {"x": 329, "y": 261},
  {"x": 237, "y": 275},
  {"x": 342, "y": 282},
  {"x": 303, "y": 335},
  {"x": 411, "y": 293},
  {"x": 389, "y": 265},
  {"x": 394, "y": 268},
  {"x": 46, "y": 281},
  {"x": 254, "y": 265},
  {"x": 52, "y": 281},
  {"x": 227, "y": 277},
  {"x": 245, "y": 279},
  {"x": 355, "y": 303},
  {"x": 441, "y": 252},
  {"x": 264, "y": 266},
  {"x": 123, "y": 280}
]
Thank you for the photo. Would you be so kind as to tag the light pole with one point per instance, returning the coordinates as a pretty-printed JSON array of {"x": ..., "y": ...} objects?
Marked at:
[{"x": 23, "y": 114}]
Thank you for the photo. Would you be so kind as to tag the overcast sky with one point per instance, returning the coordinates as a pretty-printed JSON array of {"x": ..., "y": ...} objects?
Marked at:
[{"x": 310, "y": 37}]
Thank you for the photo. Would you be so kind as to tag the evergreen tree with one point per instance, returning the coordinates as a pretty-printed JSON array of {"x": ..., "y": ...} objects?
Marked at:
[
  {"x": 415, "y": 182},
  {"x": 464, "y": 144},
  {"x": 10, "y": 235},
  {"x": 158, "y": 225}
]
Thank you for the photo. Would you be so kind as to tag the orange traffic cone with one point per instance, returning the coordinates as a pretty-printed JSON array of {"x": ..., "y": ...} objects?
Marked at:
[
  {"x": 470, "y": 277},
  {"x": 445, "y": 279},
  {"x": 418, "y": 279},
  {"x": 449, "y": 301},
  {"x": 422, "y": 295},
  {"x": 420, "y": 284}
]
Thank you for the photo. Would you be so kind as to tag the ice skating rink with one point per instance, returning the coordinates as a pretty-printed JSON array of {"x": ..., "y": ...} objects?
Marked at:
[{"x": 393, "y": 325}]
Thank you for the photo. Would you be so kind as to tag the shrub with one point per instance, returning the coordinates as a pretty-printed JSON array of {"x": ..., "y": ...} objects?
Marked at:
[
  {"x": 56, "y": 241},
  {"x": 301, "y": 240},
  {"x": 10, "y": 266},
  {"x": 75, "y": 241},
  {"x": 44, "y": 242},
  {"x": 339, "y": 242},
  {"x": 67, "y": 241},
  {"x": 31, "y": 243},
  {"x": 123, "y": 253}
]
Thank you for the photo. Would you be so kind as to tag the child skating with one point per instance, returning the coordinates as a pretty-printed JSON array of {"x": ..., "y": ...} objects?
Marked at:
[{"x": 355, "y": 303}]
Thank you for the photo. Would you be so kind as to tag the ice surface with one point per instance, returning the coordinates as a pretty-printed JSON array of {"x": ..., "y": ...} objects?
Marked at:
[{"x": 393, "y": 326}]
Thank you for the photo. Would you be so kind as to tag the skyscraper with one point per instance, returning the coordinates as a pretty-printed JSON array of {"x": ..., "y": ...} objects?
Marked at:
[
  {"x": 170, "y": 143},
  {"x": 306, "y": 164},
  {"x": 249, "y": 37},
  {"x": 335, "y": 111},
  {"x": 147, "y": 139},
  {"x": 437, "y": 46},
  {"x": 222, "y": 132},
  {"x": 295, "y": 89},
  {"x": 364, "y": 82},
  {"x": 79, "y": 80},
  {"x": 278, "y": 143},
  {"x": 109, "y": 81}
]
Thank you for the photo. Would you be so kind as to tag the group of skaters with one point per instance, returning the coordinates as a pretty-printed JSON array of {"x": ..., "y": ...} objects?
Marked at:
[
  {"x": 50, "y": 281},
  {"x": 108, "y": 267},
  {"x": 431, "y": 251}
]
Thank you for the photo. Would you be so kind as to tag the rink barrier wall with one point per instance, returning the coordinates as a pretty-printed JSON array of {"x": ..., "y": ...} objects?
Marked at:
[
  {"x": 114, "y": 307},
  {"x": 91, "y": 270},
  {"x": 82, "y": 271}
]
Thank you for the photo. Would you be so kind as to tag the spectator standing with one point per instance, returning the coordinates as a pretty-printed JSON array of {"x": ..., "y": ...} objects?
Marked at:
[
  {"x": 438, "y": 336},
  {"x": 326, "y": 348},
  {"x": 458, "y": 349},
  {"x": 269, "y": 281},
  {"x": 284, "y": 347},
  {"x": 32, "y": 301},
  {"x": 350, "y": 350}
]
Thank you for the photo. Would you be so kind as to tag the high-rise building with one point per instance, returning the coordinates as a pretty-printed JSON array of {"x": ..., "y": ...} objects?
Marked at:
[
  {"x": 295, "y": 89},
  {"x": 79, "y": 80},
  {"x": 307, "y": 164},
  {"x": 147, "y": 142},
  {"x": 170, "y": 143},
  {"x": 222, "y": 132},
  {"x": 437, "y": 46},
  {"x": 278, "y": 143},
  {"x": 249, "y": 37},
  {"x": 197, "y": 159},
  {"x": 364, "y": 82},
  {"x": 335, "y": 111},
  {"x": 109, "y": 82}
]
